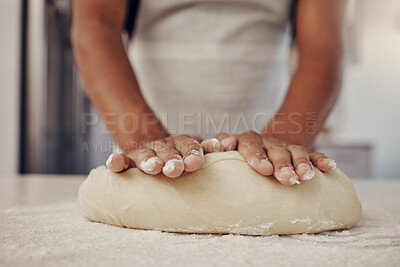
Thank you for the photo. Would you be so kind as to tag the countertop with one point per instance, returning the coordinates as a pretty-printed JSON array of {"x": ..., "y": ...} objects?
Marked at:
[{"x": 40, "y": 225}]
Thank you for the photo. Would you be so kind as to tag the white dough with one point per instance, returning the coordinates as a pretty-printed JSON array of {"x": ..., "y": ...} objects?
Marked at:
[{"x": 224, "y": 196}]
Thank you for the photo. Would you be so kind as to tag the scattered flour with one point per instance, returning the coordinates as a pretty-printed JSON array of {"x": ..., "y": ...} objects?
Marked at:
[
  {"x": 58, "y": 235},
  {"x": 305, "y": 220}
]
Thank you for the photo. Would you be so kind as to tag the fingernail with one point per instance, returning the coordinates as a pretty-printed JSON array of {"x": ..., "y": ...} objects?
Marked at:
[
  {"x": 171, "y": 165},
  {"x": 228, "y": 143},
  {"x": 195, "y": 156},
  {"x": 150, "y": 164},
  {"x": 266, "y": 164},
  {"x": 331, "y": 163},
  {"x": 287, "y": 173},
  {"x": 294, "y": 180},
  {"x": 251, "y": 163},
  {"x": 191, "y": 158},
  {"x": 193, "y": 161},
  {"x": 309, "y": 175},
  {"x": 212, "y": 144},
  {"x": 108, "y": 161},
  {"x": 216, "y": 144},
  {"x": 196, "y": 153},
  {"x": 306, "y": 170}
]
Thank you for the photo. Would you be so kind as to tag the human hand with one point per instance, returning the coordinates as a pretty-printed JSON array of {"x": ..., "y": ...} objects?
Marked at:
[
  {"x": 171, "y": 156},
  {"x": 270, "y": 155}
]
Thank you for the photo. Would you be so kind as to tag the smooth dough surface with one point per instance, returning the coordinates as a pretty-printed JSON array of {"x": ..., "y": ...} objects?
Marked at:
[{"x": 224, "y": 196}]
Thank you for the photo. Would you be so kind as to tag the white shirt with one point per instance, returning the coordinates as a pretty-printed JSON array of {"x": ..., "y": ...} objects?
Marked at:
[{"x": 211, "y": 66}]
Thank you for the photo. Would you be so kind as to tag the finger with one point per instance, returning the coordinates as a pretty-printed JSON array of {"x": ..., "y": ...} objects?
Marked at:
[
  {"x": 118, "y": 162},
  {"x": 197, "y": 138},
  {"x": 146, "y": 159},
  {"x": 281, "y": 158},
  {"x": 228, "y": 141},
  {"x": 165, "y": 150},
  {"x": 301, "y": 162},
  {"x": 322, "y": 162},
  {"x": 191, "y": 151},
  {"x": 212, "y": 145},
  {"x": 252, "y": 149}
]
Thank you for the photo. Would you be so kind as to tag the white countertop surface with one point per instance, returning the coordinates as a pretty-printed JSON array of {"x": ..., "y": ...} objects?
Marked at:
[{"x": 40, "y": 226}]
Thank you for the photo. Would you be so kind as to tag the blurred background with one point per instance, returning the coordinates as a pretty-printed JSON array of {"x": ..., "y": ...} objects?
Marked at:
[{"x": 47, "y": 122}]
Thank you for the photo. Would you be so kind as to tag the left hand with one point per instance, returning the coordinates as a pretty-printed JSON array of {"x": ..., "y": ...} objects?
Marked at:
[{"x": 267, "y": 155}]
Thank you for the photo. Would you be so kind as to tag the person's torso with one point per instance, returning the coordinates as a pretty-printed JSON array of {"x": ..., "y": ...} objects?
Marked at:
[{"x": 209, "y": 66}]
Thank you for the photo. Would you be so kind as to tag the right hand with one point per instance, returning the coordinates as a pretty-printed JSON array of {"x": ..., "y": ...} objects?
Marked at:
[{"x": 171, "y": 156}]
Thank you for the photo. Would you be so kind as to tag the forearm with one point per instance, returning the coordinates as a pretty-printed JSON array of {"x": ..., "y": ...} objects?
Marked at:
[
  {"x": 316, "y": 83},
  {"x": 111, "y": 85},
  {"x": 310, "y": 98}
]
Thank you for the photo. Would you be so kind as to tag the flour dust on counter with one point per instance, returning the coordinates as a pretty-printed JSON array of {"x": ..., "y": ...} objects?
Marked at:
[{"x": 57, "y": 235}]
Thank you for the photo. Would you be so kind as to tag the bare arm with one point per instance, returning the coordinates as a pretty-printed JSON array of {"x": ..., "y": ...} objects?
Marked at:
[
  {"x": 282, "y": 148},
  {"x": 106, "y": 71},
  {"x": 316, "y": 83},
  {"x": 112, "y": 86}
]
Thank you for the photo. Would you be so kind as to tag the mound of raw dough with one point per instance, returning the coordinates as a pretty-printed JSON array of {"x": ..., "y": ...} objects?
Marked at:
[{"x": 224, "y": 196}]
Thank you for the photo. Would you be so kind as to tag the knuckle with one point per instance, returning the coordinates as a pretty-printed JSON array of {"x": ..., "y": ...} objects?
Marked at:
[
  {"x": 303, "y": 160},
  {"x": 251, "y": 133},
  {"x": 131, "y": 155},
  {"x": 320, "y": 155},
  {"x": 245, "y": 143},
  {"x": 141, "y": 150},
  {"x": 189, "y": 145},
  {"x": 195, "y": 138},
  {"x": 161, "y": 142},
  {"x": 162, "y": 145},
  {"x": 222, "y": 135},
  {"x": 167, "y": 148},
  {"x": 248, "y": 134},
  {"x": 312, "y": 154},
  {"x": 276, "y": 141},
  {"x": 141, "y": 154},
  {"x": 175, "y": 155},
  {"x": 278, "y": 148},
  {"x": 168, "y": 138},
  {"x": 294, "y": 147},
  {"x": 280, "y": 164},
  {"x": 194, "y": 145},
  {"x": 141, "y": 145},
  {"x": 248, "y": 143},
  {"x": 259, "y": 153},
  {"x": 297, "y": 147},
  {"x": 181, "y": 137}
]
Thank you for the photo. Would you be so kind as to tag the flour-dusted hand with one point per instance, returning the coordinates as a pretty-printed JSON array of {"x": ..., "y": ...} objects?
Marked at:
[
  {"x": 221, "y": 142},
  {"x": 289, "y": 163},
  {"x": 171, "y": 156}
]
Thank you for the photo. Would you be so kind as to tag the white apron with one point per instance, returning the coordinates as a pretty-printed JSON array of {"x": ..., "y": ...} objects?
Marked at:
[{"x": 211, "y": 66}]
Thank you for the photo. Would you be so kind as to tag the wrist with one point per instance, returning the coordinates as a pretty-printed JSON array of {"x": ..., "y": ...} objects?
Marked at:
[
  {"x": 130, "y": 130},
  {"x": 293, "y": 132}
]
